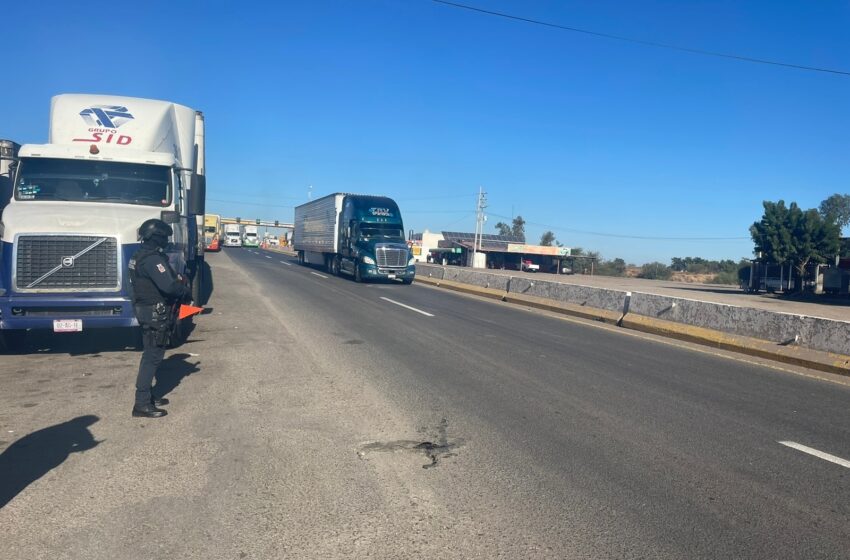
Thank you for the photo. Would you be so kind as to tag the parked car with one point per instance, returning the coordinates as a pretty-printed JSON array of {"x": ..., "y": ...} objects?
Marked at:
[{"x": 529, "y": 266}]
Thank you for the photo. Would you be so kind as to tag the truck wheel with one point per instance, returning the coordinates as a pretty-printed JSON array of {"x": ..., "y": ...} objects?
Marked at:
[
  {"x": 300, "y": 257},
  {"x": 357, "y": 275},
  {"x": 336, "y": 263},
  {"x": 180, "y": 333},
  {"x": 197, "y": 284}
]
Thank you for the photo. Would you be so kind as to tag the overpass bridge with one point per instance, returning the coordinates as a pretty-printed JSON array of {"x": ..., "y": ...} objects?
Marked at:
[{"x": 258, "y": 222}]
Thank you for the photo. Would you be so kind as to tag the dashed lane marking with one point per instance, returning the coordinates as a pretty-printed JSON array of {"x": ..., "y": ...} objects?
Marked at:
[
  {"x": 268, "y": 257},
  {"x": 319, "y": 275},
  {"x": 286, "y": 263},
  {"x": 407, "y": 306},
  {"x": 819, "y": 454}
]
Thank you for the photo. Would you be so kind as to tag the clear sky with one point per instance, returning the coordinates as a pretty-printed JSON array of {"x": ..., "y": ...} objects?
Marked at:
[{"x": 425, "y": 103}]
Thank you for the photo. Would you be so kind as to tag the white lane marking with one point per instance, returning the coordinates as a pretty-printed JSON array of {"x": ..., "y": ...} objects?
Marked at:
[
  {"x": 816, "y": 453},
  {"x": 407, "y": 306},
  {"x": 286, "y": 263},
  {"x": 319, "y": 275},
  {"x": 268, "y": 257}
]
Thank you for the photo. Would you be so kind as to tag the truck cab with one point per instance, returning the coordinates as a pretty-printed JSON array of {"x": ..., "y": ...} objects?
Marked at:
[
  {"x": 250, "y": 238},
  {"x": 372, "y": 243},
  {"x": 70, "y": 228},
  {"x": 232, "y": 235}
]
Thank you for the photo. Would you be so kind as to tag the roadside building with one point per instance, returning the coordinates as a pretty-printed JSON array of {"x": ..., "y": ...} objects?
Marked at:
[{"x": 500, "y": 252}]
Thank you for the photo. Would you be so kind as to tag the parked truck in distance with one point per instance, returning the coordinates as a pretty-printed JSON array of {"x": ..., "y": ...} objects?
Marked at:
[
  {"x": 212, "y": 232},
  {"x": 250, "y": 237},
  {"x": 8, "y": 162},
  {"x": 358, "y": 235},
  {"x": 232, "y": 235},
  {"x": 71, "y": 225}
]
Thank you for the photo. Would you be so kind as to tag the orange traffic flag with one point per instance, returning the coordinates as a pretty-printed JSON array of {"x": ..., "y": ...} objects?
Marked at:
[{"x": 188, "y": 311}]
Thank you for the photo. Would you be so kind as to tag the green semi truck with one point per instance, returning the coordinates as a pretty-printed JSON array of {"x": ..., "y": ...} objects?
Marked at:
[{"x": 354, "y": 234}]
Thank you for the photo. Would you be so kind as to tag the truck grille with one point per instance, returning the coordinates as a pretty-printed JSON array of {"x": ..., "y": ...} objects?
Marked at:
[
  {"x": 51, "y": 262},
  {"x": 390, "y": 257}
]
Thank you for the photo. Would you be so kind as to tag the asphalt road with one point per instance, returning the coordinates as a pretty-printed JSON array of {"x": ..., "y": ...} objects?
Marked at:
[{"x": 313, "y": 417}]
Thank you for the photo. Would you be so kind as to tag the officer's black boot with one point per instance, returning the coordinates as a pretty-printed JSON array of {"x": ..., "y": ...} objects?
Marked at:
[
  {"x": 159, "y": 401},
  {"x": 148, "y": 411}
]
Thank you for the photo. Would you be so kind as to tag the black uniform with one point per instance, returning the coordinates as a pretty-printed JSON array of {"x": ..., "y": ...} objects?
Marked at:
[{"x": 156, "y": 287}]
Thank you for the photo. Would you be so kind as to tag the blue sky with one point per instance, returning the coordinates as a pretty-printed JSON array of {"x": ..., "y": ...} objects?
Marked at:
[{"x": 425, "y": 103}]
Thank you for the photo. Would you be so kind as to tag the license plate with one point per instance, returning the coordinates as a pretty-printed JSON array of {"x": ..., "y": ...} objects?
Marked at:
[
  {"x": 68, "y": 325},
  {"x": 391, "y": 276}
]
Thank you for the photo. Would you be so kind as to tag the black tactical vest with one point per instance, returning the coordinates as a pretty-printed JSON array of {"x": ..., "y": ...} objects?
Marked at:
[{"x": 144, "y": 290}]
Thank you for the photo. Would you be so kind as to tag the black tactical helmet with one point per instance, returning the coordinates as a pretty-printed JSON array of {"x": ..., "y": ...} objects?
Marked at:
[{"x": 155, "y": 230}]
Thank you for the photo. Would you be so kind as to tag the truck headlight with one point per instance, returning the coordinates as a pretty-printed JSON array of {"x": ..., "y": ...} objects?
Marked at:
[
  {"x": 412, "y": 261},
  {"x": 367, "y": 259}
]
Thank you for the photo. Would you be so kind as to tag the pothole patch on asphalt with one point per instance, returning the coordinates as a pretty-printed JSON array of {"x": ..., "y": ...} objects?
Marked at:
[{"x": 435, "y": 449}]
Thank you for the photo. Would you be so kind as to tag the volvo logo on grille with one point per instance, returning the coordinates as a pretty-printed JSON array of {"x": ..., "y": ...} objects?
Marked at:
[{"x": 67, "y": 262}]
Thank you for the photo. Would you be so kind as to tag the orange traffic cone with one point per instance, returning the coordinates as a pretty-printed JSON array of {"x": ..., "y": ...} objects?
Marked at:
[{"x": 188, "y": 311}]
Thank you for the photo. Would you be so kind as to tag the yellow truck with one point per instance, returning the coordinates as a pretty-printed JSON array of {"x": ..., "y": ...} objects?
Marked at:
[{"x": 212, "y": 231}]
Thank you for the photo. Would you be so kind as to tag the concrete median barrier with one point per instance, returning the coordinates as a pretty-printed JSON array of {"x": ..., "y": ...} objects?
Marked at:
[
  {"x": 572, "y": 309},
  {"x": 814, "y": 342},
  {"x": 585, "y": 296},
  {"x": 779, "y": 328},
  {"x": 462, "y": 287}
]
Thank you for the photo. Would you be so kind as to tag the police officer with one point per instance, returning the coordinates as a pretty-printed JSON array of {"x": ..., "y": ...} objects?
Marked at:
[{"x": 155, "y": 288}]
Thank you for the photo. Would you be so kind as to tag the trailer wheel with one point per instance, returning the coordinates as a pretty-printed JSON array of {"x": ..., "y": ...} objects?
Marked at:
[{"x": 300, "y": 257}]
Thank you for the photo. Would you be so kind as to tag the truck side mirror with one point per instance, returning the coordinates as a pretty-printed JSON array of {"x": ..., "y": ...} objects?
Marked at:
[
  {"x": 170, "y": 216},
  {"x": 197, "y": 194}
]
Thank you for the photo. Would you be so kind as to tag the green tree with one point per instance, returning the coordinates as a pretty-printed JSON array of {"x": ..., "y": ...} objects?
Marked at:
[
  {"x": 616, "y": 267},
  {"x": 836, "y": 209},
  {"x": 796, "y": 236},
  {"x": 547, "y": 239},
  {"x": 655, "y": 271},
  {"x": 503, "y": 229},
  {"x": 518, "y": 227}
]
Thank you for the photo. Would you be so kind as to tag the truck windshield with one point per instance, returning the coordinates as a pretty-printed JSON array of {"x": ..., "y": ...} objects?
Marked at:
[
  {"x": 383, "y": 231},
  {"x": 93, "y": 181}
]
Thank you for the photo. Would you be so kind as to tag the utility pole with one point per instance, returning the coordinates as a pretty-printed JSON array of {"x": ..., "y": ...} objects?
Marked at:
[{"x": 479, "y": 223}]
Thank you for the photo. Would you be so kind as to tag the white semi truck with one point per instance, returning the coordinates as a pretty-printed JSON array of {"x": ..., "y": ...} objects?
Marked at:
[
  {"x": 71, "y": 225},
  {"x": 232, "y": 235},
  {"x": 250, "y": 238}
]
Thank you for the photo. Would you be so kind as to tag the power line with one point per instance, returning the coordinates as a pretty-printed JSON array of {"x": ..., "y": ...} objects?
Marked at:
[
  {"x": 643, "y": 42},
  {"x": 623, "y": 236}
]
